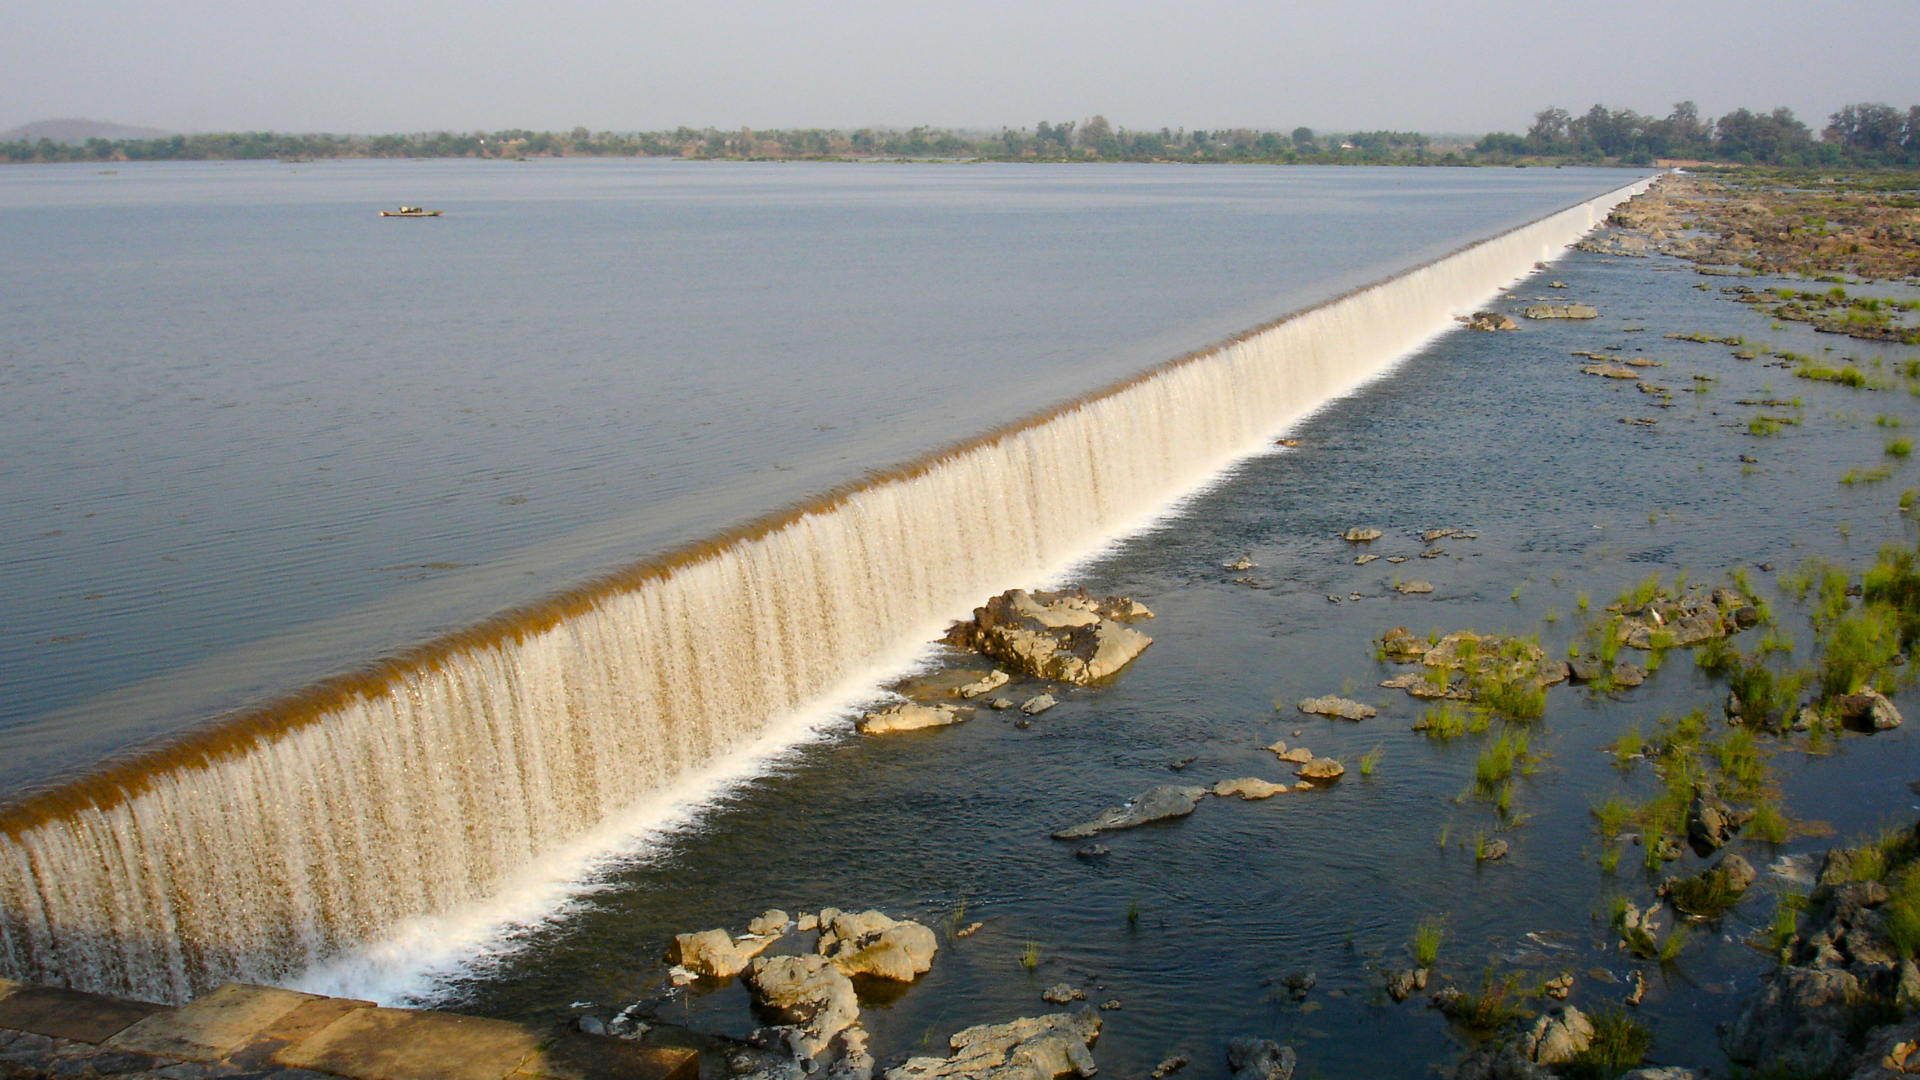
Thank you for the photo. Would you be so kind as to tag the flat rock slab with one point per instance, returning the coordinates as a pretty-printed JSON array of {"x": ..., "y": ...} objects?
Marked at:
[
  {"x": 72, "y": 1014},
  {"x": 213, "y": 1026},
  {"x": 400, "y": 1044},
  {"x": 603, "y": 1057},
  {"x": 1155, "y": 804}
]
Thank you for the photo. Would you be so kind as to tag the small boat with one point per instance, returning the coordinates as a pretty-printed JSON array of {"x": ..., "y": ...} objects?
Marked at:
[{"x": 410, "y": 211}]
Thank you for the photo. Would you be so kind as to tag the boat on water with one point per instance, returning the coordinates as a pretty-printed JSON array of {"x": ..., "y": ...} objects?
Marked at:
[{"x": 410, "y": 211}]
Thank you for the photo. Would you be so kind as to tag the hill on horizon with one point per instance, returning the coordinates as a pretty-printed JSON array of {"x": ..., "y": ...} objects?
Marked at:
[{"x": 74, "y": 130}]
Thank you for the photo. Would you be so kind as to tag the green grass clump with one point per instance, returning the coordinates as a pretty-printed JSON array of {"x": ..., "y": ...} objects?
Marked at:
[
  {"x": 1497, "y": 1004},
  {"x": 1370, "y": 760},
  {"x": 1030, "y": 957},
  {"x": 1899, "y": 448},
  {"x": 1785, "y": 922},
  {"x": 1628, "y": 748},
  {"x": 1612, "y": 814},
  {"x": 1496, "y": 762},
  {"x": 1426, "y": 942},
  {"x": 1619, "y": 1043},
  {"x": 1521, "y": 699},
  {"x": 1672, "y": 944},
  {"x": 1707, "y": 895},
  {"x": 1610, "y": 859},
  {"x": 1444, "y": 721},
  {"x": 1769, "y": 824},
  {"x": 1902, "y": 911}
]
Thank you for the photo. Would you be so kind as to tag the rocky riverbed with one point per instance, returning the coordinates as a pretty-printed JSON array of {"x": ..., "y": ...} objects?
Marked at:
[{"x": 1489, "y": 724}]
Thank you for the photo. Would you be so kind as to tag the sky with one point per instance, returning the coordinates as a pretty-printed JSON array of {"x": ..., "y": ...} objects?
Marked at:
[{"x": 1469, "y": 66}]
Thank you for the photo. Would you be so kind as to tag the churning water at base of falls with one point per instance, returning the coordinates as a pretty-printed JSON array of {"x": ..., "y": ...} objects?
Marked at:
[
  {"x": 251, "y": 433},
  {"x": 440, "y": 778}
]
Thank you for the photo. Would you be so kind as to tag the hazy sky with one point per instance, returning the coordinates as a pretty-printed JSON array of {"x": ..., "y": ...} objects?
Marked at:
[{"x": 412, "y": 65}]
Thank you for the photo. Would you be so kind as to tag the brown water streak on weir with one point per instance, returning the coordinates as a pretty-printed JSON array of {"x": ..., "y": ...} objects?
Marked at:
[{"x": 128, "y": 774}]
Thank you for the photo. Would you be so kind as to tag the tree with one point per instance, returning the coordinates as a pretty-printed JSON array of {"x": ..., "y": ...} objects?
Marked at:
[
  {"x": 1095, "y": 131},
  {"x": 1303, "y": 138},
  {"x": 1551, "y": 130},
  {"x": 1872, "y": 128}
]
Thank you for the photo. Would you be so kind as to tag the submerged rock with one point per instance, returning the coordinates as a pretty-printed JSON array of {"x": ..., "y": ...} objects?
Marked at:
[
  {"x": 1409, "y": 588},
  {"x": 1249, "y": 787},
  {"x": 1154, "y": 804},
  {"x": 1321, "y": 769},
  {"x": 1491, "y": 321},
  {"x": 1030, "y": 1048},
  {"x": 1260, "y": 1059},
  {"x": 1360, "y": 534},
  {"x": 1062, "y": 994},
  {"x": 1338, "y": 707},
  {"x": 1560, "y": 311},
  {"x": 908, "y": 716},
  {"x": 994, "y": 680},
  {"x": 1068, "y": 636}
]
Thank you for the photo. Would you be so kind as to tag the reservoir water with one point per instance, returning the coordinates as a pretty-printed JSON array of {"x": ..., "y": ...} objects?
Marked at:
[{"x": 252, "y": 434}]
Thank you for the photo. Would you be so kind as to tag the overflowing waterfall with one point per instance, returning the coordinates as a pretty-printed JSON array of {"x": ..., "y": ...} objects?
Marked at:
[{"x": 272, "y": 841}]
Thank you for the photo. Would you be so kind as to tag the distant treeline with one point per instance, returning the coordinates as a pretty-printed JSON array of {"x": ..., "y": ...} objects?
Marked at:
[{"x": 1856, "y": 135}]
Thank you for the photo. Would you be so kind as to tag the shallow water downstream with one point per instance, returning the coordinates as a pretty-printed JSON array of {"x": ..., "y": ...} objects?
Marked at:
[{"x": 1496, "y": 433}]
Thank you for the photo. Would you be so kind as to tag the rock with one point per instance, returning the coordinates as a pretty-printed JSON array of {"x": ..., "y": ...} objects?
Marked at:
[
  {"x": 1068, "y": 636},
  {"x": 993, "y": 681},
  {"x": 1031, "y": 1048},
  {"x": 1402, "y": 647},
  {"x": 1169, "y": 1066},
  {"x": 1000, "y": 704},
  {"x": 1494, "y": 851},
  {"x": 1500, "y": 1061},
  {"x": 591, "y": 1025},
  {"x": 1625, "y": 674},
  {"x": 807, "y": 922},
  {"x": 715, "y": 954},
  {"x": 1610, "y": 371},
  {"x": 1360, "y": 534},
  {"x": 1558, "y": 1036},
  {"x": 1868, "y": 710},
  {"x": 1587, "y": 668},
  {"x": 1490, "y": 321},
  {"x": 1321, "y": 769},
  {"x": 1638, "y": 980},
  {"x": 1062, "y": 994},
  {"x": 1338, "y": 707},
  {"x": 1556, "y": 285},
  {"x": 1176, "y": 766},
  {"x": 1711, "y": 823},
  {"x": 1154, "y": 804},
  {"x": 773, "y": 922},
  {"x": 1242, "y": 563},
  {"x": 1663, "y": 1072},
  {"x": 1299, "y": 755},
  {"x": 1090, "y": 852},
  {"x": 1797, "y": 1023},
  {"x": 1890, "y": 1051},
  {"x": 1038, "y": 704},
  {"x": 807, "y": 992},
  {"x": 1249, "y": 787},
  {"x": 1362, "y": 560},
  {"x": 1409, "y": 588},
  {"x": 870, "y": 943},
  {"x": 1560, "y": 311},
  {"x": 1260, "y": 1059},
  {"x": 1110, "y": 1005},
  {"x": 1402, "y": 984},
  {"x": 1558, "y": 988},
  {"x": 908, "y": 716}
]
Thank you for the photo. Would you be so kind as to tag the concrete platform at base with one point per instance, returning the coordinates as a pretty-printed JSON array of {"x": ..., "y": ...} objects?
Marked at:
[{"x": 262, "y": 1029}]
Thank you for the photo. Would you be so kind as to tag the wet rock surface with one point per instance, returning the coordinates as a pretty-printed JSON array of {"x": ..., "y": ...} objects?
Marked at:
[{"x": 1068, "y": 636}]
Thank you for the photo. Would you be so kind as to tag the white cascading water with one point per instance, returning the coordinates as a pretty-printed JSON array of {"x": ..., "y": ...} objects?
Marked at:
[{"x": 433, "y": 788}]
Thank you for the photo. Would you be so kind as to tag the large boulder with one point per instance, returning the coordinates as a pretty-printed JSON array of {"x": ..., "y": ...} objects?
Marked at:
[
  {"x": 812, "y": 997},
  {"x": 1558, "y": 1036},
  {"x": 716, "y": 954},
  {"x": 870, "y": 943},
  {"x": 1260, "y": 1059},
  {"x": 1069, "y": 636},
  {"x": 1868, "y": 710},
  {"x": 1797, "y": 1024},
  {"x": 1030, "y": 1048},
  {"x": 1154, "y": 804},
  {"x": 1560, "y": 311}
]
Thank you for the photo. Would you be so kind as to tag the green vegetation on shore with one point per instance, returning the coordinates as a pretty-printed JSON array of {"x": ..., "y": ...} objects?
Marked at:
[{"x": 1858, "y": 135}]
